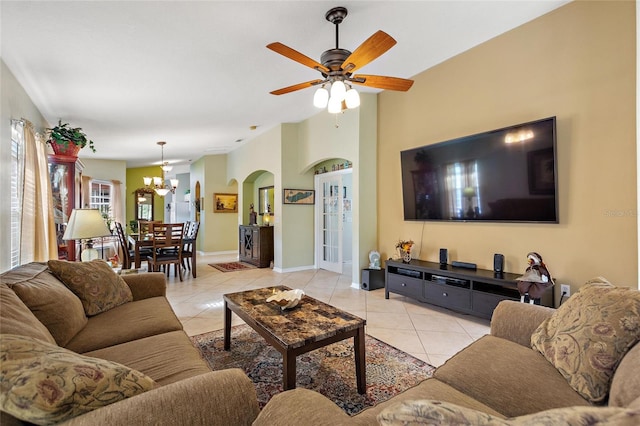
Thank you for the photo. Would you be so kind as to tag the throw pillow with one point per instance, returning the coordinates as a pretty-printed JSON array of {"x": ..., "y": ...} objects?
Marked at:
[
  {"x": 589, "y": 334},
  {"x": 44, "y": 383},
  {"x": 428, "y": 412},
  {"x": 51, "y": 302},
  {"x": 18, "y": 319},
  {"x": 95, "y": 283}
]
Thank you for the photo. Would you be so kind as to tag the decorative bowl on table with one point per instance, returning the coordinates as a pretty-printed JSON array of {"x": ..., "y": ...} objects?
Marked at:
[{"x": 287, "y": 299}]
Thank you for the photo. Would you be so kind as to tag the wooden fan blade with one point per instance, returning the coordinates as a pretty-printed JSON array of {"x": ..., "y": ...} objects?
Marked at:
[
  {"x": 382, "y": 82},
  {"x": 297, "y": 56},
  {"x": 369, "y": 50},
  {"x": 296, "y": 87}
]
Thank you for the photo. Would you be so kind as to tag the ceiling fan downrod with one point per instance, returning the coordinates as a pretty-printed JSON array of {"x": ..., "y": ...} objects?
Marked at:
[{"x": 336, "y": 16}]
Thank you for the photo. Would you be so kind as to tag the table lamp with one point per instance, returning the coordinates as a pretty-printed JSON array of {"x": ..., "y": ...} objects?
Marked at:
[{"x": 85, "y": 224}]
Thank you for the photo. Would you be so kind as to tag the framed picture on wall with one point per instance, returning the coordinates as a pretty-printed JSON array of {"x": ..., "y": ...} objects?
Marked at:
[
  {"x": 225, "y": 203},
  {"x": 299, "y": 196}
]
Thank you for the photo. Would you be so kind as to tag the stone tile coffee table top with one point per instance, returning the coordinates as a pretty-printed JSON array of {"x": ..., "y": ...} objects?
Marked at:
[{"x": 310, "y": 321}]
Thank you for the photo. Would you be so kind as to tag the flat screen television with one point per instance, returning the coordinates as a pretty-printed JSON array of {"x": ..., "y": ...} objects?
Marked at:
[{"x": 504, "y": 175}]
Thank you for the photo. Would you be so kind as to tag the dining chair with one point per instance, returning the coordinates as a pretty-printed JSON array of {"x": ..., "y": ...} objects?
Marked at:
[
  {"x": 122, "y": 239},
  {"x": 167, "y": 241},
  {"x": 144, "y": 226},
  {"x": 191, "y": 233},
  {"x": 128, "y": 254}
]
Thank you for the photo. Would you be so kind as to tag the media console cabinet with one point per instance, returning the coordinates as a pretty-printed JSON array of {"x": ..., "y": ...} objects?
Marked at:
[{"x": 472, "y": 291}]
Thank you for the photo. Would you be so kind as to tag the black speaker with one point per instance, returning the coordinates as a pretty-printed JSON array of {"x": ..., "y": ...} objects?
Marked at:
[
  {"x": 443, "y": 256},
  {"x": 372, "y": 279},
  {"x": 498, "y": 263}
]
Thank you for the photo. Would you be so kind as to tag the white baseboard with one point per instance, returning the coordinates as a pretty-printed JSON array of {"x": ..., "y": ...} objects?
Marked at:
[
  {"x": 296, "y": 269},
  {"x": 211, "y": 253}
]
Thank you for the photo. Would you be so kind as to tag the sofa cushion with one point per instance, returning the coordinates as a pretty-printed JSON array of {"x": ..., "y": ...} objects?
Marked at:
[
  {"x": 166, "y": 358},
  {"x": 51, "y": 302},
  {"x": 95, "y": 283},
  {"x": 625, "y": 385},
  {"x": 125, "y": 323},
  {"x": 498, "y": 372},
  {"x": 428, "y": 389},
  {"x": 43, "y": 383},
  {"x": 588, "y": 335},
  {"x": 18, "y": 319},
  {"x": 429, "y": 412}
]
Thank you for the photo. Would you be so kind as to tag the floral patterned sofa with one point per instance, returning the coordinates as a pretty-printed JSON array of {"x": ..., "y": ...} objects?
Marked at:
[{"x": 81, "y": 345}]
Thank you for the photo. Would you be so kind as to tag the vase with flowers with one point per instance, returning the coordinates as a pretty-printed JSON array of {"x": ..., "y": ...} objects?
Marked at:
[
  {"x": 67, "y": 141},
  {"x": 404, "y": 250}
]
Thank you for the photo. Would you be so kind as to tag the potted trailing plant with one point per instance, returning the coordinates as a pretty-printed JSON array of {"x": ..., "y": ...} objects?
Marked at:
[{"x": 66, "y": 140}]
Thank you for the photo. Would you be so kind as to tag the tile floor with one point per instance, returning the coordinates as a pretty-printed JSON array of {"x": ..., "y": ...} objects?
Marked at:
[{"x": 427, "y": 332}]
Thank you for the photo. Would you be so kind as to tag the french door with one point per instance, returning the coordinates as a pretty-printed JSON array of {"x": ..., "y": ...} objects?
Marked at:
[{"x": 329, "y": 225}]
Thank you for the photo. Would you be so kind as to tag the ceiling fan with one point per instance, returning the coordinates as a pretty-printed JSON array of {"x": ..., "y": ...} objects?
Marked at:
[{"x": 338, "y": 66}]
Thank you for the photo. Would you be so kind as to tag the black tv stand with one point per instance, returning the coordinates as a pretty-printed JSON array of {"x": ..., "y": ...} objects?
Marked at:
[{"x": 472, "y": 291}]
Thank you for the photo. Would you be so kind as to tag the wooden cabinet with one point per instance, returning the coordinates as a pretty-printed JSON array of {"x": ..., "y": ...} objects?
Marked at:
[
  {"x": 65, "y": 174},
  {"x": 475, "y": 292},
  {"x": 255, "y": 245}
]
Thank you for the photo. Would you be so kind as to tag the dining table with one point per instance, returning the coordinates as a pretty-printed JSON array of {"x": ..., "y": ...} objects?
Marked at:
[{"x": 137, "y": 241}]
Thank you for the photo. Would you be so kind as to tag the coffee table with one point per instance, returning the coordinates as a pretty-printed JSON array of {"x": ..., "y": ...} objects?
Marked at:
[{"x": 292, "y": 332}]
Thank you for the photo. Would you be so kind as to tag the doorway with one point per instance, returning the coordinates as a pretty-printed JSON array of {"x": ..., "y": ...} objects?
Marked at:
[{"x": 333, "y": 220}]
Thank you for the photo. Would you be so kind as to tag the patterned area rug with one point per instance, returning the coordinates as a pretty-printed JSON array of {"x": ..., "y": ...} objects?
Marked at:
[
  {"x": 232, "y": 266},
  {"x": 329, "y": 370}
]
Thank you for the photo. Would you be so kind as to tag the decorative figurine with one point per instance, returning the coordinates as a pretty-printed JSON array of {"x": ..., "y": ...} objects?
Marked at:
[
  {"x": 535, "y": 280},
  {"x": 374, "y": 260},
  {"x": 253, "y": 216}
]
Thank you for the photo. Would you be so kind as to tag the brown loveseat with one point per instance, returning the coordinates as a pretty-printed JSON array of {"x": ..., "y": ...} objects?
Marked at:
[
  {"x": 143, "y": 334},
  {"x": 500, "y": 376}
]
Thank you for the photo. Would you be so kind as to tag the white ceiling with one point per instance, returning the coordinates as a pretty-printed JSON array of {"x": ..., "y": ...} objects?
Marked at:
[{"x": 197, "y": 74}]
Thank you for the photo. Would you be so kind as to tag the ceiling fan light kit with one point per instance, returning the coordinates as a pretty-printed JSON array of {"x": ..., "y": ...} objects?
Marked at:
[{"x": 337, "y": 69}]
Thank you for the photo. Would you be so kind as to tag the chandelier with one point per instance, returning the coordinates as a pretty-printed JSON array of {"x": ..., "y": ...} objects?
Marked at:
[
  {"x": 157, "y": 183},
  {"x": 338, "y": 99}
]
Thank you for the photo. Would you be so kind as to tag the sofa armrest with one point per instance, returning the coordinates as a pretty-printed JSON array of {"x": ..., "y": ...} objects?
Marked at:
[
  {"x": 301, "y": 407},
  {"x": 144, "y": 286},
  {"x": 224, "y": 397},
  {"x": 516, "y": 321}
]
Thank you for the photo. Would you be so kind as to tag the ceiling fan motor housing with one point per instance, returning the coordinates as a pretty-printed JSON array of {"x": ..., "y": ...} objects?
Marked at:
[{"x": 333, "y": 58}]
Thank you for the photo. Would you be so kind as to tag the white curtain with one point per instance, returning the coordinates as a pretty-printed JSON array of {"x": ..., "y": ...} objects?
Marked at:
[
  {"x": 85, "y": 191},
  {"x": 38, "y": 238}
]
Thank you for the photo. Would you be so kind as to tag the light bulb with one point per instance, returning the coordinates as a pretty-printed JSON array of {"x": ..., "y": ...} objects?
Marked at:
[
  {"x": 352, "y": 98},
  {"x": 157, "y": 181},
  {"x": 147, "y": 181},
  {"x": 335, "y": 105},
  {"x": 174, "y": 183},
  {"x": 338, "y": 90},
  {"x": 320, "y": 98}
]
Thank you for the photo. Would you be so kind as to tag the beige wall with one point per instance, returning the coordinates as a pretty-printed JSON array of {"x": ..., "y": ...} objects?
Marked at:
[
  {"x": 290, "y": 151},
  {"x": 577, "y": 63},
  {"x": 219, "y": 231}
]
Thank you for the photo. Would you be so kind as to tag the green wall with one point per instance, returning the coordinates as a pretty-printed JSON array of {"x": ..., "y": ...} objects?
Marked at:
[{"x": 134, "y": 181}]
